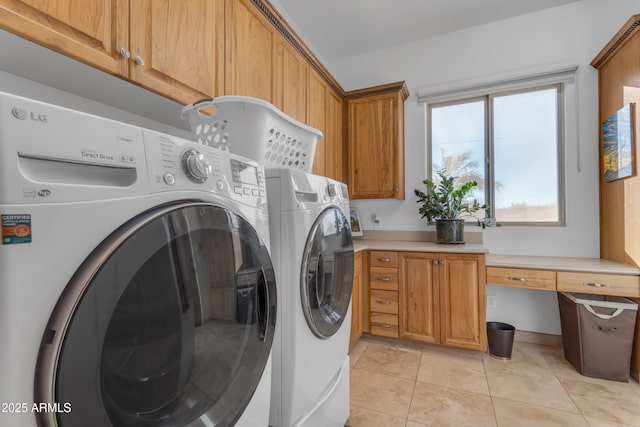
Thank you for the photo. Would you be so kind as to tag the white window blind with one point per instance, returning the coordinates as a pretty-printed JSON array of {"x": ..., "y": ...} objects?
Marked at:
[{"x": 497, "y": 83}]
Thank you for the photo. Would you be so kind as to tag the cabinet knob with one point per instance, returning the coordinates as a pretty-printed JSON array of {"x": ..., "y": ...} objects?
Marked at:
[
  {"x": 124, "y": 52},
  {"x": 384, "y": 259},
  {"x": 139, "y": 60},
  {"x": 435, "y": 262}
]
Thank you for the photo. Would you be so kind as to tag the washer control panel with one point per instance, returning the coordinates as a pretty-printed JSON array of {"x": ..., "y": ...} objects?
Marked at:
[
  {"x": 248, "y": 178},
  {"x": 177, "y": 164}
]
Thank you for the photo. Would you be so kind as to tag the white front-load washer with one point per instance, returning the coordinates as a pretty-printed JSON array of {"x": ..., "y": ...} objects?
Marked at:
[
  {"x": 137, "y": 287},
  {"x": 313, "y": 257}
]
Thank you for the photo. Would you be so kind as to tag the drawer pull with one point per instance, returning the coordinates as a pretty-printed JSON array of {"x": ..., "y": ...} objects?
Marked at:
[
  {"x": 384, "y": 279},
  {"x": 383, "y": 302},
  {"x": 519, "y": 279},
  {"x": 384, "y": 325},
  {"x": 384, "y": 259},
  {"x": 596, "y": 285}
]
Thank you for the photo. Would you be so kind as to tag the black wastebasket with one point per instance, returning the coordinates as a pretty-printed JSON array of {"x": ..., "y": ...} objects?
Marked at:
[{"x": 500, "y": 338}]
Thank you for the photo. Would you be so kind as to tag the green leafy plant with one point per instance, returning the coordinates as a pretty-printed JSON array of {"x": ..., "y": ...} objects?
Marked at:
[{"x": 446, "y": 201}]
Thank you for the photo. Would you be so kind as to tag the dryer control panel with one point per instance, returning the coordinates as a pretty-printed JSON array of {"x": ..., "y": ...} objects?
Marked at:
[{"x": 178, "y": 164}]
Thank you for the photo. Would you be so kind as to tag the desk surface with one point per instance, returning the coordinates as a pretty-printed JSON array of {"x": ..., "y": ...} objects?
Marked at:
[{"x": 589, "y": 265}]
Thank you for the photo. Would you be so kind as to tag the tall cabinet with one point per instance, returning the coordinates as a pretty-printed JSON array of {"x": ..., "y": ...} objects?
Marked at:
[{"x": 618, "y": 65}]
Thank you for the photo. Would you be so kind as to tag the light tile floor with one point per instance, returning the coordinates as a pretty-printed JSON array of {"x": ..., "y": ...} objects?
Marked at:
[{"x": 402, "y": 384}]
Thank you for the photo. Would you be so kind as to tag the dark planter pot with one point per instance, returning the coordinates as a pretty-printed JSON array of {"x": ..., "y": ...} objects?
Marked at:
[{"x": 450, "y": 231}]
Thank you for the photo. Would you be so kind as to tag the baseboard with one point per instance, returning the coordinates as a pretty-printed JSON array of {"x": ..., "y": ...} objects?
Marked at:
[{"x": 538, "y": 338}]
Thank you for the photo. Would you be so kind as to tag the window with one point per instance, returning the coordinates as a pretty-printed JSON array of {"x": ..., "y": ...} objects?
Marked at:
[{"x": 510, "y": 142}]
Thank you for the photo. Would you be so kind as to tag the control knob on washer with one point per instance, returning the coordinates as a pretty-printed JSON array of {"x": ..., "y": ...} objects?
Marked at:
[{"x": 196, "y": 165}]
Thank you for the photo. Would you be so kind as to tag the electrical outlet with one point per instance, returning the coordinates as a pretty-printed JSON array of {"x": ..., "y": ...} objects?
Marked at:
[
  {"x": 491, "y": 301},
  {"x": 377, "y": 220}
]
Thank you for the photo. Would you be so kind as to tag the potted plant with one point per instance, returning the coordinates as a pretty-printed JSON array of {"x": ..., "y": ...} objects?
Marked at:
[{"x": 445, "y": 204}]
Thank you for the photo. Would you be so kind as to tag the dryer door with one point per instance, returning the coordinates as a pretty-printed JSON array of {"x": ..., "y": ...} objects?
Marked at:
[
  {"x": 168, "y": 323},
  {"x": 327, "y": 273}
]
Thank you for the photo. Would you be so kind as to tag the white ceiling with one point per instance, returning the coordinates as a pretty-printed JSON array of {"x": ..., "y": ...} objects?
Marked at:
[{"x": 341, "y": 28}]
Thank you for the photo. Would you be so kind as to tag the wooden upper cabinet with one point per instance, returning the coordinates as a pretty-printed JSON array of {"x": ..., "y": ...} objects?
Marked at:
[
  {"x": 172, "y": 48},
  {"x": 90, "y": 31},
  {"x": 376, "y": 142},
  {"x": 291, "y": 81},
  {"x": 325, "y": 113},
  {"x": 317, "y": 118},
  {"x": 177, "y": 48},
  {"x": 250, "y": 52},
  {"x": 333, "y": 139}
]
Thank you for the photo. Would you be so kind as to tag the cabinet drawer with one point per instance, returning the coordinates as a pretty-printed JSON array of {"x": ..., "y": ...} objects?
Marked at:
[
  {"x": 383, "y": 259},
  {"x": 384, "y": 301},
  {"x": 384, "y": 324},
  {"x": 383, "y": 278},
  {"x": 597, "y": 283},
  {"x": 522, "y": 278}
]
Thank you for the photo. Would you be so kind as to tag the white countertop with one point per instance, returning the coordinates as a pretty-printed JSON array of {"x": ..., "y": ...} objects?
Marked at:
[
  {"x": 595, "y": 265},
  {"x": 408, "y": 246}
]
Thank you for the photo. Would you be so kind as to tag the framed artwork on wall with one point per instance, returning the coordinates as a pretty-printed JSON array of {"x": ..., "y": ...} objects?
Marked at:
[
  {"x": 356, "y": 225},
  {"x": 618, "y": 144}
]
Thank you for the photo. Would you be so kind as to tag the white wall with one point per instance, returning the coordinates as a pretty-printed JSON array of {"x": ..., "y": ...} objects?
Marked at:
[{"x": 570, "y": 34}]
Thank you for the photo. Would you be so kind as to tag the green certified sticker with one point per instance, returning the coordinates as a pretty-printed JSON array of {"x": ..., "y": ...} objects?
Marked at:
[{"x": 16, "y": 229}]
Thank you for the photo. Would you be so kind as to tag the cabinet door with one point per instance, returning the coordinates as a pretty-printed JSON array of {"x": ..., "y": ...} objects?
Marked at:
[
  {"x": 334, "y": 147},
  {"x": 250, "y": 52},
  {"x": 420, "y": 313},
  {"x": 177, "y": 47},
  {"x": 356, "y": 301},
  {"x": 90, "y": 31},
  {"x": 375, "y": 147},
  {"x": 462, "y": 300},
  {"x": 291, "y": 77},
  {"x": 317, "y": 118}
]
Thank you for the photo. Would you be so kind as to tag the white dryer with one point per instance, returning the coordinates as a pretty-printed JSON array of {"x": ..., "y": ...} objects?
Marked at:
[
  {"x": 137, "y": 287},
  {"x": 313, "y": 258}
]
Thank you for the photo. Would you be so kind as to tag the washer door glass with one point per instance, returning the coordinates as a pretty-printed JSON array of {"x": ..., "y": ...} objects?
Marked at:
[
  {"x": 168, "y": 323},
  {"x": 327, "y": 273}
]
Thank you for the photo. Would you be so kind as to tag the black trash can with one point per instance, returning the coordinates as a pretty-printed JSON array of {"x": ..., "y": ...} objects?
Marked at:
[{"x": 500, "y": 339}]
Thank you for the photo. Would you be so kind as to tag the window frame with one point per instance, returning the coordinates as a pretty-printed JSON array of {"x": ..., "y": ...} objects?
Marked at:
[{"x": 489, "y": 165}]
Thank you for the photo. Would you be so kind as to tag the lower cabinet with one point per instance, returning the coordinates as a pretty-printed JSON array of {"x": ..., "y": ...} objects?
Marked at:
[
  {"x": 383, "y": 293},
  {"x": 356, "y": 301},
  {"x": 443, "y": 299}
]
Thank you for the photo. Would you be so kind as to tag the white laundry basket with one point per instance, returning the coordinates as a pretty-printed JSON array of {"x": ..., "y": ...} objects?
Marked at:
[{"x": 255, "y": 129}]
